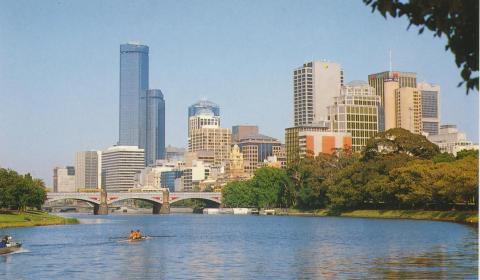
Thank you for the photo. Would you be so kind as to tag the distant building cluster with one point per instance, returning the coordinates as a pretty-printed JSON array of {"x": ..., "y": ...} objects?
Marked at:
[
  {"x": 324, "y": 107},
  {"x": 329, "y": 115}
]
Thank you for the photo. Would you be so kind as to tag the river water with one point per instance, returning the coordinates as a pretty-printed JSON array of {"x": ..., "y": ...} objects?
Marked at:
[{"x": 244, "y": 247}]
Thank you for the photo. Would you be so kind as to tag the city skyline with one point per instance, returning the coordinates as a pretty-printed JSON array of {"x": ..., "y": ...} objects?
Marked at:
[{"x": 269, "y": 85}]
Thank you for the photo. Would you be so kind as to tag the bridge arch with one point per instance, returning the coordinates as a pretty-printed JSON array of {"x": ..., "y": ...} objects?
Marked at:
[
  {"x": 89, "y": 200},
  {"x": 197, "y": 198}
]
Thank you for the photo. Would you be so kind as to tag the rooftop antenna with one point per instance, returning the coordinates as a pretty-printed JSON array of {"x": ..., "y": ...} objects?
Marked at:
[{"x": 390, "y": 59}]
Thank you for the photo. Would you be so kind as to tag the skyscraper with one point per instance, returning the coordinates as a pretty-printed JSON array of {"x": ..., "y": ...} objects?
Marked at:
[
  {"x": 205, "y": 133},
  {"x": 430, "y": 107},
  {"x": 314, "y": 86},
  {"x": 356, "y": 110},
  {"x": 408, "y": 109},
  {"x": 152, "y": 125},
  {"x": 133, "y": 81},
  {"x": 405, "y": 79}
]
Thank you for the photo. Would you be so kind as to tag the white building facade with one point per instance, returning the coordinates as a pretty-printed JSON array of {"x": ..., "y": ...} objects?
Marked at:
[
  {"x": 315, "y": 84},
  {"x": 450, "y": 140},
  {"x": 120, "y": 164}
]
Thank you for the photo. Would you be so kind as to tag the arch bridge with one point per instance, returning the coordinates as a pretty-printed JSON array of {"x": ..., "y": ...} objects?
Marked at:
[{"x": 161, "y": 200}]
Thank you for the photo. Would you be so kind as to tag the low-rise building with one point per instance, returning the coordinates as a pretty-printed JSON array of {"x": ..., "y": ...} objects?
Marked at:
[
  {"x": 450, "y": 140},
  {"x": 256, "y": 148},
  {"x": 292, "y": 144},
  {"x": 312, "y": 143}
]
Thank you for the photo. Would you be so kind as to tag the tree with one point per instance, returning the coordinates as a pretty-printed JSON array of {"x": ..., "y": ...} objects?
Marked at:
[
  {"x": 399, "y": 141},
  {"x": 456, "y": 19},
  {"x": 239, "y": 194},
  {"x": 467, "y": 153},
  {"x": 273, "y": 187},
  {"x": 20, "y": 191}
]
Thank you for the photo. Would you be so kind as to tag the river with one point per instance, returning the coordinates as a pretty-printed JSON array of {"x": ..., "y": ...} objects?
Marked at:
[{"x": 244, "y": 247}]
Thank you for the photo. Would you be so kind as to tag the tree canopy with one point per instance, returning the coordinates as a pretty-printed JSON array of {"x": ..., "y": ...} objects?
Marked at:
[
  {"x": 397, "y": 170},
  {"x": 20, "y": 191}
]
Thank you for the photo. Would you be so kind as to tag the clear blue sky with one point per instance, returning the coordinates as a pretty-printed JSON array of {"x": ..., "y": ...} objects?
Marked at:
[{"x": 59, "y": 66}]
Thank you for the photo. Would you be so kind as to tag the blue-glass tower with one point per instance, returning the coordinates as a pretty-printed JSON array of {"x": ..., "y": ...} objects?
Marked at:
[
  {"x": 201, "y": 106},
  {"x": 152, "y": 125},
  {"x": 133, "y": 81}
]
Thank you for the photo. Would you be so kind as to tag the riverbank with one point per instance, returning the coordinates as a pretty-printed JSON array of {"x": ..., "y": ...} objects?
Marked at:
[
  {"x": 32, "y": 218},
  {"x": 467, "y": 217}
]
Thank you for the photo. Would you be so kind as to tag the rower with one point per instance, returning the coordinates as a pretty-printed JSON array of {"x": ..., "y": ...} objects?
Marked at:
[{"x": 132, "y": 235}]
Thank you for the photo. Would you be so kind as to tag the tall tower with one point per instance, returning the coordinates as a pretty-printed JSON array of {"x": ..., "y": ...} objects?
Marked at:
[
  {"x": 430, "y": 107},
  {"x": 152, "y": 125},
  {"x": 315, "y": 84},
  {"x": 405, "y": 79},
  {"x": 133, "y": 81}
]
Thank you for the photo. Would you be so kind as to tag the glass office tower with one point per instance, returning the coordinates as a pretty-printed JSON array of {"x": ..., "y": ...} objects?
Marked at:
[
  {"x": 152, "y": 125},
  {"x": 133, "y": 81}
]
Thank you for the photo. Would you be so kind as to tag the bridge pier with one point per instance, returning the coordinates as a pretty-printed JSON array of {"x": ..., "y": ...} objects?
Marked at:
[
  {"x": 156, "y": 208},
  {"x": 102, "y": 208},
  {"x": 166, "y": 204}
]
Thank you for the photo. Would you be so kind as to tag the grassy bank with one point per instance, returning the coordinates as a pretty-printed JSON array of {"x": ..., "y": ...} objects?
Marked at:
[
  {"x": 32, "y": 218},
  {"x": 469, "y": 217}
]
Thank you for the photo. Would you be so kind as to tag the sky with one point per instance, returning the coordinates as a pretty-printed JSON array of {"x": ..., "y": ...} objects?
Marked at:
[{"x": 59, "y": 66}]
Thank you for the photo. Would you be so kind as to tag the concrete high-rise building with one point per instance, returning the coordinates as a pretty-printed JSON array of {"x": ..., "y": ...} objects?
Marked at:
[
  {"x": 241, "y": 131},
  {"x": 312, "y": 143},
  {"x": 390, "y": 114},
  {"x": 450, "y": 140},
  {"x": 405, "y": 79},
  {"x": 205, "y": 133},
  {"x": 314, "y": 86},
  {"x": 202, "y": 114},
  {"x": 408, "y": 109},
  {"x": 88, "y": 170},
  {"x": 120, "y": 164},
  {"x": 256, "y": 148},
  {"x": 215, "y": 139},
  {"x": 292, "y": 142},
  {"x": 133, "y": 81},
  {"x": 203, "y": 119},
  {"x": 430, "y": 107},
  {"x": 356, "y": 111},
  {"x": 64, "y": 179},
  {"x": 152, "y": 125}
]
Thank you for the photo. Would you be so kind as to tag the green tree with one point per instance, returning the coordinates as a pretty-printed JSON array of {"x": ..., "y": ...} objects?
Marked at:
[
  {"x": 20, "y": 191},
  {"x": 467, "y": 153},
  {"x": 455, "y": 19},
  {"x": 399, "y": 141},
  {"x": 443, "y": 157},
  {"x": 239, "y": 194},
  {"x": 273, "y": 187}
]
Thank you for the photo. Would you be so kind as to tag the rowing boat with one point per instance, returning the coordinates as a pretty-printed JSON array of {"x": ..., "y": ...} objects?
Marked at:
[{"x": 136, "y": 239}]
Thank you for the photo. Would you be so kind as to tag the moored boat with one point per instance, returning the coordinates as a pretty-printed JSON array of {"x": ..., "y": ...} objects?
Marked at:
[{"x": 10, "y": 248}]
